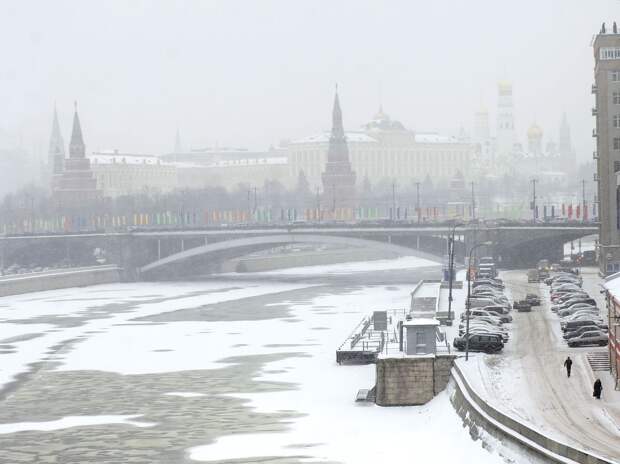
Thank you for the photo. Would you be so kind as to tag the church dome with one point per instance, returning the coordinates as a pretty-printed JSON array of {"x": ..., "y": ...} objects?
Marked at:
[
  {"x": 534, "y": 131},
  {"x": 504, "y": 87},
  {"x": 382, "y": 121}
]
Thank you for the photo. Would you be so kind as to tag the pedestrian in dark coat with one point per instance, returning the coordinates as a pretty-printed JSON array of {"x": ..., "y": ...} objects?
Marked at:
[
  {"x": 568, "y": 364},
  {"x": 598, "y": 388}
]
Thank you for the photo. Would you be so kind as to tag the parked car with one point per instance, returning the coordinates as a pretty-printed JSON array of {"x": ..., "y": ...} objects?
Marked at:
[
  {"x": 569, "y": 326},
  {"x": 484, "y": 329},
  {"x": 571, "y": 302},
  {"x": 579, "y": 307},
  {"x": 580, "y": 330},
  {"x": 592, "y": 337},
  {"x": 487, "y": 343},
  {"x": 495, "y": 309}
]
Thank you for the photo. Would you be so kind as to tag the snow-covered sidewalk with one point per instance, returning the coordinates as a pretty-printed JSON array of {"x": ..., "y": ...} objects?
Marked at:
[{"x": 527, "y": 380}]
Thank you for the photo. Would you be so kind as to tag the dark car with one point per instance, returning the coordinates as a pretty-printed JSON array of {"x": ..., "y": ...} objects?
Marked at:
[
  {"x": 522, "y": 306},
  {"x": 488, "y": 343},
  {"x": 532, "y": 299}
]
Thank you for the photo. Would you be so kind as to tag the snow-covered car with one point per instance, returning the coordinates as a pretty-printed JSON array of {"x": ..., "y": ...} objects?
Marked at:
[
  {"x": 591, "y": 337},
  {"x": 487, "y": 343},
  {"x": 571, "y": 302},
  {"x": 576, "y": 308},
  {"x": 578, "y": 331},
  {"x": 567, "y": 296},
  {"x": 568, "y": 326},
  {"x": 495, "y": 309},
  {"x": 580, "y": 313},
  {"x": 478, "y": 312}
]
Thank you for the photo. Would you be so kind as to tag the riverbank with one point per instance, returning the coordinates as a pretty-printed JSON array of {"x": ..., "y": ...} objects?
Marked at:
[{"x": 59, "y": 278}]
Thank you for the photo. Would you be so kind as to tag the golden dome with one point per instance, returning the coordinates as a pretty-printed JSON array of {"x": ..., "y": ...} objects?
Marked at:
[
  {"x": 505, "y": 87},
  {"x": 534, "y": 131}
]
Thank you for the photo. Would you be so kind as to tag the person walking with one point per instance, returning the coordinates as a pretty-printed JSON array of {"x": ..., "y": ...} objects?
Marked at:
[
  {"x": 568, "y": 364},
  {"x": 598, "y": 389}
]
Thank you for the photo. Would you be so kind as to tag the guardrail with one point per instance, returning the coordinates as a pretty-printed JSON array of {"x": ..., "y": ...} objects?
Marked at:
[{"x": 536, "y": 441}]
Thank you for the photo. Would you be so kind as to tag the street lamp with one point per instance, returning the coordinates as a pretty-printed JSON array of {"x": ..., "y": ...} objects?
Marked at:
[
  {"x": 471, "y": 251},
  {"x": 451, "y": 268}
]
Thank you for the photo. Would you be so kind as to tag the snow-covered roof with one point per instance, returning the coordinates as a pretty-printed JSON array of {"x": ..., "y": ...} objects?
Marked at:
[
  {"x": 416, "y": 322},
  {"x": 435, "y": 138},
  {"x": 324, "y": 138},
  {"x": 251, "y": 161},
  {"x": 612, "y": 283},
  {"x": 113, "y": 157}
]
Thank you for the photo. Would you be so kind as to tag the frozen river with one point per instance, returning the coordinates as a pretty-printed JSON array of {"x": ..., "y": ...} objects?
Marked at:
[{"x": 234, "y": 368}]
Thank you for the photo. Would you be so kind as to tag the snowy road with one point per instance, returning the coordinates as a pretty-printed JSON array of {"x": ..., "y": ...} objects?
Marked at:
[{"x": 529, "y": 380}]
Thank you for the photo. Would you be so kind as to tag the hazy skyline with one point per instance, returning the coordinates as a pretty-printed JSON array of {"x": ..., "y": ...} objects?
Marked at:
[{"x": 242, "y": 73}]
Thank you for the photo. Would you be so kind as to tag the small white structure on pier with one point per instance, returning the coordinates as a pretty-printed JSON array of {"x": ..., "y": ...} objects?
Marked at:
[{"x": 421, "y": 336}]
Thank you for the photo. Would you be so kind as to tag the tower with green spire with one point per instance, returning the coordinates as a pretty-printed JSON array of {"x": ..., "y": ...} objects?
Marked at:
[{"x": 338, "y": 177}]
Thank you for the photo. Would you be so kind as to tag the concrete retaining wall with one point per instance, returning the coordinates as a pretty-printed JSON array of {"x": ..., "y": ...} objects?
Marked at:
[
  {"x": 411, "y": 381},
  {"x": 64, "y": 278},
  {"x": 283, "y": 261},
  {"x": 498, "y": 423}
]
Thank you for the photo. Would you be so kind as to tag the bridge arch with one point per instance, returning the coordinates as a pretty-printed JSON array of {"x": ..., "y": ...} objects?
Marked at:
[{"x": 239, "y": 247}]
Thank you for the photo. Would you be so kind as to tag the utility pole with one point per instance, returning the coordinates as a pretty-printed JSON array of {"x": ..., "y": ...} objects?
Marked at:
[
  {"x": 473, "y": 203},
  {"x": 334, "y": 198},
  {"x": 534, "y": 199},
  {"x": 255, "y": 200},
  {"x": 583, "y": 202},
  {"x": 318, "y": 204},
  {"x": 417, "y": 200},
  {"x": 393, "y": 200}
]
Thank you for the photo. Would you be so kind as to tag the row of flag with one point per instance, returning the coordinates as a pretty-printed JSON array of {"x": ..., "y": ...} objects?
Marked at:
[
  {"x": 567, "y": 211},
  {"x": 67, "y": 223}
]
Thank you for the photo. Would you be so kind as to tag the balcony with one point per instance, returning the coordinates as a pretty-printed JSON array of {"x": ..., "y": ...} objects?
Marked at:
[
  {"x": 595, "y": 155},
  {"x": 594, "y": 89},
  {"x": 594, "y": 111},
  {"x": 594, "y": 134},
  {"x": 595, "y": 177}
]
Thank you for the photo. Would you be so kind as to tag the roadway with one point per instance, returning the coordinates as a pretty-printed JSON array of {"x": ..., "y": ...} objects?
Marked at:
[
  {"x": 528, "y": 379},
  {"x": 297, "y": 229}
]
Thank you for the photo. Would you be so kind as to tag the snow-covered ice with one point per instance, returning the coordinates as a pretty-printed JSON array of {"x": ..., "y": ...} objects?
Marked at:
[{"x": 73, "y": 421}]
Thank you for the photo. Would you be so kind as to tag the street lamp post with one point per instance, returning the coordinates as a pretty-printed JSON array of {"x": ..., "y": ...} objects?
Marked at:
[
  {"x": 451, "y": 268},
  {"x": 467, "y": 309}
]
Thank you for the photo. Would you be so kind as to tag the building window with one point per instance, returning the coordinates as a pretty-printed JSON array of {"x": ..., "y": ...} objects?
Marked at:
[
  {"x": 616, "y": 143},
  {"x": 614, "y": 76},
  {"x": 616, "y": 166},
  {"x": 617, "y": 121},
  {"x": 616, "y": 98},
  {"x": 610, "y": 53}
]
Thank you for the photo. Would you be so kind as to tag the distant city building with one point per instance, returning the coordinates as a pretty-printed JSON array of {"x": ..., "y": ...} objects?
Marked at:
[
  {"x": 338, "y": 177},
  {"x": 505, "y": 138},
  {"x": 384, "y": 150},
  {"x": 607, "y": 134},
  {"x": 76, "y": 186},
  {"x": 228, "y": 167},
  {"x": 126, "y": 173},
  {"x": 566, "y": 148}
]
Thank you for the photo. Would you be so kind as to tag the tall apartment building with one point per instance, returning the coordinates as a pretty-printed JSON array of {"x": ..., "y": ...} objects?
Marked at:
[{"x": 607, "y": 134}]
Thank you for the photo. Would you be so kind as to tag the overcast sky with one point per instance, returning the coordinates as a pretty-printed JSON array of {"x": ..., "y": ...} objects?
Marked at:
[{"x": 250, "y": 73}]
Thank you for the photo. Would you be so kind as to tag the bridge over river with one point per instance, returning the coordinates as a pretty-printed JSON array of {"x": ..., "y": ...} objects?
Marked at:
[{"x": 148, "y": 253}]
